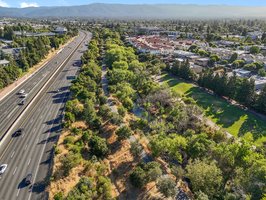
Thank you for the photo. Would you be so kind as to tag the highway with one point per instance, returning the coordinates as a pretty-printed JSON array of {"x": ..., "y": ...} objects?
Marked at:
[
  {"x": 32, "y": 152},
  {"x": 9, "y": 108}
]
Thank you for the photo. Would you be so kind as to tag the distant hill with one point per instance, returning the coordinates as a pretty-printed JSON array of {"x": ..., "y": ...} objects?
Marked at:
[{"x": 157, "y": 11}]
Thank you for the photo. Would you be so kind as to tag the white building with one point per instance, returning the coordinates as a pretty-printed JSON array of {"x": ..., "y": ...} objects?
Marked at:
[
  {"x": 260, "y": 82},
  {"x": 4, "y": 63}
]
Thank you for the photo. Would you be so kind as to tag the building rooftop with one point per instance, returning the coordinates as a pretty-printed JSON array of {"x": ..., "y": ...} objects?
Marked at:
[{"x": 4, "y": 62}]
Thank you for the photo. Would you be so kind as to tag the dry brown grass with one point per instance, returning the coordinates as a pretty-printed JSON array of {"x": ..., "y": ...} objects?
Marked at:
[
  {"x": 79, "y": 124},
  {"x": 67, "y": 183}
]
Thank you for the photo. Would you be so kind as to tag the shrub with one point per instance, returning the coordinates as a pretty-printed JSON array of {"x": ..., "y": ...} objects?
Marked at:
[
  {"x": 137, "y": 177},
  {"x": 58, "y": 196},
  {"x": 98, "y": 146},
  {"x": 167, "y": 186},
  {"x": 116, "y": 119},
  {"x": 69, "y": 161},
  {"x": 123, "y": 133},
  {"x": 122, "y": 111}
]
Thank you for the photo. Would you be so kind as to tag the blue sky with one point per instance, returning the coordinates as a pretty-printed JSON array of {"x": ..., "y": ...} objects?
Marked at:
[{"x": 35, "y": 3}]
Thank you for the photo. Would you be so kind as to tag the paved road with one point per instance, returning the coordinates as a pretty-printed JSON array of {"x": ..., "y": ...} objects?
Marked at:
[
  {"x": 9, "y": 108},
  {"x": 32, "y": 152}
]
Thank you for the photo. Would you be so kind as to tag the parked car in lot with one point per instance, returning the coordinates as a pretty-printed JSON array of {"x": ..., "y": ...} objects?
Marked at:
[
  {"x": 28, "y": 179},
  {"x": 18, "y": 132},
  {"x": 3, "y": 168}
]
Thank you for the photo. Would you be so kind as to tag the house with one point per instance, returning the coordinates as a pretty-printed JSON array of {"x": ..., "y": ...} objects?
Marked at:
[
  {"x": 263, "y": 50},
  {"x": 260, "y": 82},
  {"x": 4, "y": 63},
  {"x": 202, "y": 62},
  {"x": 248, "y": 58},
  {"x": 7, "y": 42},
  {"x": 226, "y": 43},
  {"x": 242, "y": 73},
  {"x": 149, "y": 30},
  {"x": 60, "y": 30},
  {"x": 183, "y": 54},
  {"x": 223, "y": 53},
  {"x": 255, "y": 35},
  {"x": 14, "y": 52},
  {"x": 196, "y": 68},
  {"x": 193, "y": 58}
]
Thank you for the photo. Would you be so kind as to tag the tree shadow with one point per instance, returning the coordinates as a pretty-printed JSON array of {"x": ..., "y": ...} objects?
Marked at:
[
  {"x": 224, "y": 113},
  {"x": 170, "y": 80},
  {"x": 120, "y": 175},
  {"x": 22, "y": 184},
  {"x": 55, "y": 121},
  {"x": 50, "y": 139},
  {"x": 254, "y": 126},
  {"x": 61, "y": 97}
]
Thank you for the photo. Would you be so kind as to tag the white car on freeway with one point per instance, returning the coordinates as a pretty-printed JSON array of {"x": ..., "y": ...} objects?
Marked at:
[
  {"x": 21, "y": 91},
  {"x": 3, "y": 168}
]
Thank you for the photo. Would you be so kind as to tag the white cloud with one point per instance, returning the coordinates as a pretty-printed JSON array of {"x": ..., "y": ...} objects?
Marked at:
[
  {"x": 3, "y": 4},
  {"x": 26, "y": 4}
]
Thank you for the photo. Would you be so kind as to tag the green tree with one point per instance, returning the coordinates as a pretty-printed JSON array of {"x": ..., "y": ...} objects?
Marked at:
[
  {"x": 205, "y": 177},
  {"x": 136, "y": 149},
  {"x": 261, "y": 101},
  {"x": 178, "y": 172},
  {"x": 246, "y": 92},
  {"x": 233, "y": 57},
  {"x": 254, "y": 50},
  {"x": 262, "y": 72},
  {"x": 167, "y": 187},
  {"x": 98, "y": 146},
  {"x": 153, "y": 171},
  {"x": 123, "y": 132},
  {"x": 137, "y": 177}
]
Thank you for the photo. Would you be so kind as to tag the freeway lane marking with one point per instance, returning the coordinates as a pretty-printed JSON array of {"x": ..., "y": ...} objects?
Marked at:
[
  {"x": 44, "y": 146},
  {"x": 18, "y": 192},
  {"x": 34, "y": 98},
  {"x": 12, "y": 154},
  {"x": 12, "y": 112},
  {"x": 29, "y": 161},
  {"x": 15, "y": 171},
  {"x": 26, "y": 147}
]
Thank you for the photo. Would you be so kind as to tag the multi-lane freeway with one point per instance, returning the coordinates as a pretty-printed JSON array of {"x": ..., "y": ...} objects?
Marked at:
[{"x": 40, "y": 117}]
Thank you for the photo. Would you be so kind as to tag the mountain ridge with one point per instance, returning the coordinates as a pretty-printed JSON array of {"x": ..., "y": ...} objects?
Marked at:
[{"x": 138, "y": 11}]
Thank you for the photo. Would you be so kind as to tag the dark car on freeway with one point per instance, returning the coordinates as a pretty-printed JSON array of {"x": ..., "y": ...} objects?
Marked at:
[
  {"x": 18, "y": 132},
  {"x": 28, "y": 179}
]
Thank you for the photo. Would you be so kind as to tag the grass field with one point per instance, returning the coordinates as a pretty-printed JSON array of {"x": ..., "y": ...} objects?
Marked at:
[{"x": 236, "y": 121}]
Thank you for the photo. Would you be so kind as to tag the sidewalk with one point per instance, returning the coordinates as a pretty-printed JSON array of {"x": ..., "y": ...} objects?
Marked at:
[{"x": 8, "y": 89}]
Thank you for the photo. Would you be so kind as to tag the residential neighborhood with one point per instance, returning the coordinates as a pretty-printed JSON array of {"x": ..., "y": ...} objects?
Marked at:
[{"x": 171, "y": 48}]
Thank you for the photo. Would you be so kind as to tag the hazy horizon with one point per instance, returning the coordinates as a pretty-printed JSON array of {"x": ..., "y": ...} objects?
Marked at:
[{"x": 50, "y": 3}]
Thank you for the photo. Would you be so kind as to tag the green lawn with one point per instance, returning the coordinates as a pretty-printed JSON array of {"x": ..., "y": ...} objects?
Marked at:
[{"x": 231, "y": 118}]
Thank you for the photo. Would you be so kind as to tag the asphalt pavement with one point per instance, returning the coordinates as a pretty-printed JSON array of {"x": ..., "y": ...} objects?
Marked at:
[{"x": 32, "y": 152}]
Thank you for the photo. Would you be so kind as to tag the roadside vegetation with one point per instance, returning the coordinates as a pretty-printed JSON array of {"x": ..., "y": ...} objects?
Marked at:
[
  {"x": 142, "y": 140},
  {"x": 33, "y": 50}
]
